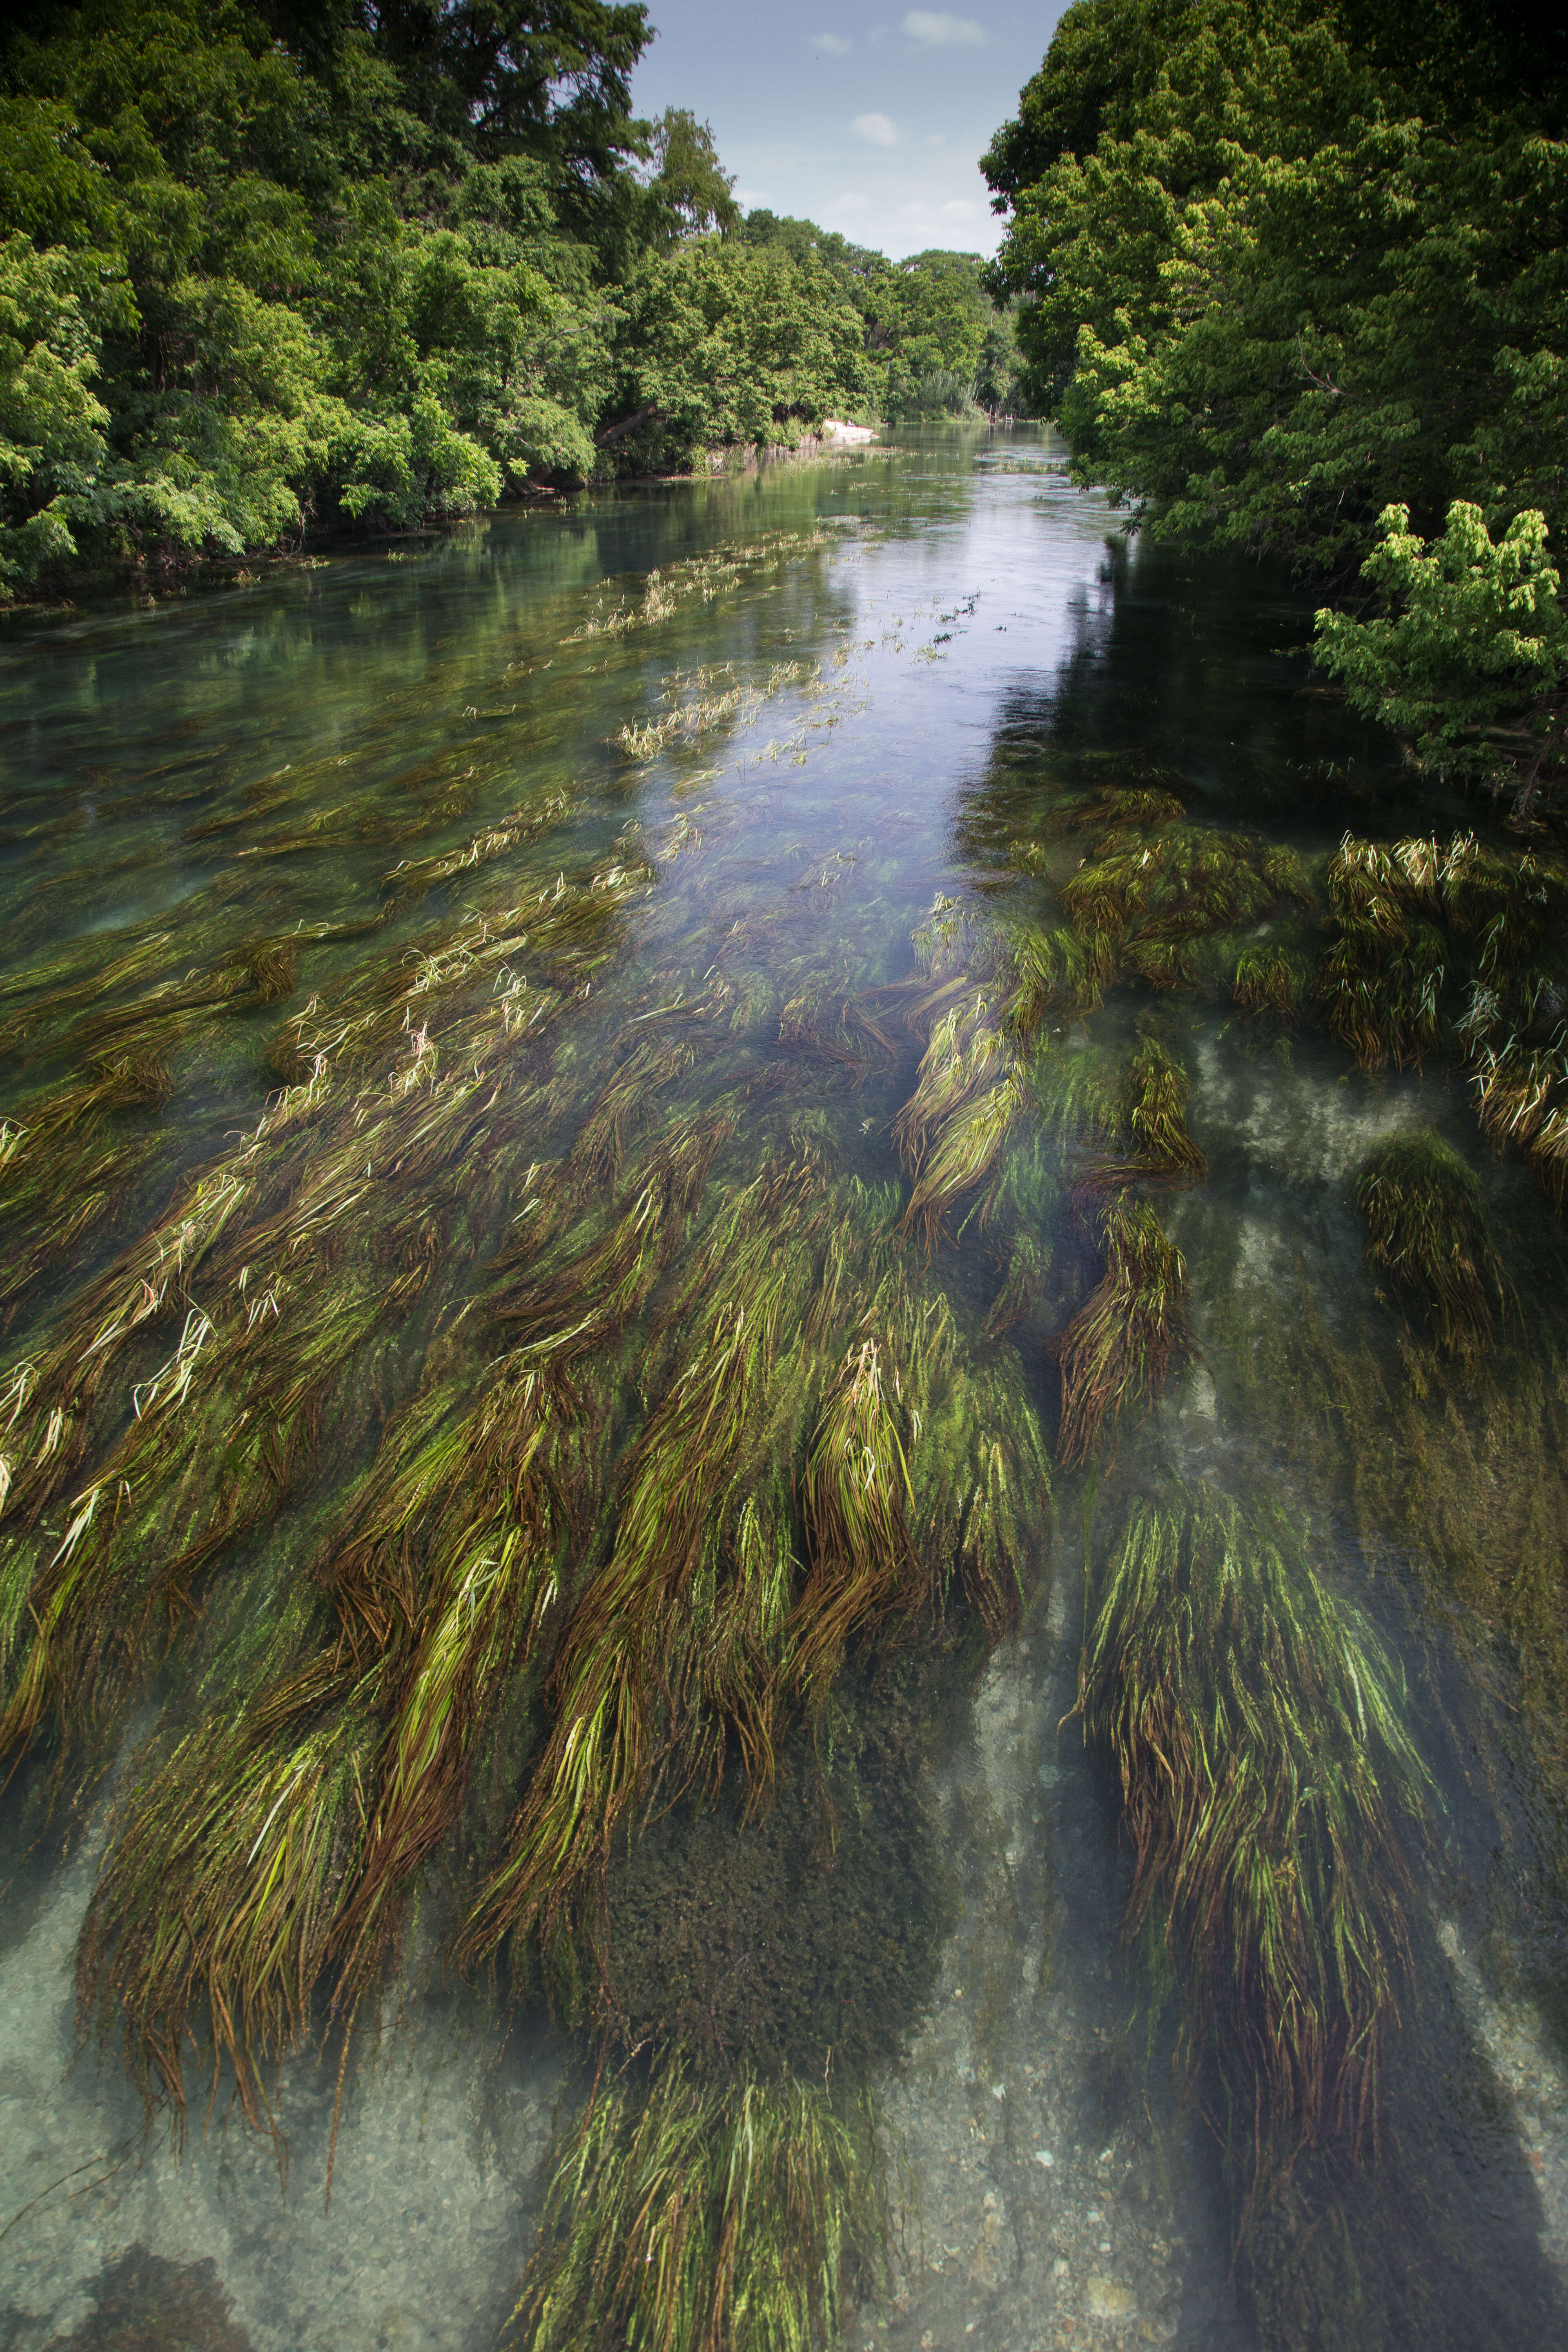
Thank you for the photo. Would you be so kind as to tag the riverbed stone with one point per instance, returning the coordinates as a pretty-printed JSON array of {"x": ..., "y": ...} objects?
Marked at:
[{"x": 1104, "y": 2299}]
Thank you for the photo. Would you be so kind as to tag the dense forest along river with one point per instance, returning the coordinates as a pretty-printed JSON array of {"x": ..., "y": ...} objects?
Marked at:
[{"x": 706, "y": 1400}]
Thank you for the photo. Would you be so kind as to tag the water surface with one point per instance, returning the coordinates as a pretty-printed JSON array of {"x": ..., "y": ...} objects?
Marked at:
[{"x": 805, "y": 709}]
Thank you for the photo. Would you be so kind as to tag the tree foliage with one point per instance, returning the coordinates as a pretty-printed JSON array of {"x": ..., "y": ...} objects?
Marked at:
[
  {"x": 1292, "y": 264},
  {"x": 729, "y": 343},
  {"x": 1469, "y": 662},
  {"x": 937, "y": 340},
  {"x": 266, "y": 266}
]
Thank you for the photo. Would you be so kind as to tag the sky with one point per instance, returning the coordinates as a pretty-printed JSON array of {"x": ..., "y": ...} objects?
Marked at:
[{"x": 867, "y": 119}]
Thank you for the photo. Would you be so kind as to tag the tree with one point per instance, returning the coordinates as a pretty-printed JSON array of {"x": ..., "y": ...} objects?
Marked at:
[
  {"x": 52, "y": 446},
  {"x": 726, "y": 344},
  {"x": 689, "y": 191},
  {"x": 1270, "y": 300},
  {"x": 547, "y": 77},
  {"x": 930, "y": 326},
  {"x": 1291, "y": 274},
  {"x": 273, "y": 266},
  {"x": 931, "y": 318},
  {"x": 1469, "y": 659},
  {"x": 997, "y": 375}
]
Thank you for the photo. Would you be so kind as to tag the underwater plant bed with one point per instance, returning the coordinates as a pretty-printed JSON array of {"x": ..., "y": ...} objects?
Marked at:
[{"x": 780, "y": 1426}]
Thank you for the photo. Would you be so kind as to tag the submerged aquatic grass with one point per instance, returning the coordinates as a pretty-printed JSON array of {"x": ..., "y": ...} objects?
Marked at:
[
  {"x": 1121, "y": 1345},
  {"x": 1429, "y": 1232},
  {"x": 672, "y": 1646},
  {"x": 220, "y": 1430},
  {"x": 67, "y": 1164},
  {"x": 1158, "y": 1118},
  {"x": 1273, "y": 1797},
  {"x": 1059, "y": 970},
  {"x": 684, "y": 2216},
  {"x": 963, "y": 1153},
  {"x": 428, "y": 1604},
  {"x": 1379, "y": 987},
  {"x": 212, "y": 1918},
  {"x": 1271, "y": 979},
  {"x": 858, "y": 1503}
]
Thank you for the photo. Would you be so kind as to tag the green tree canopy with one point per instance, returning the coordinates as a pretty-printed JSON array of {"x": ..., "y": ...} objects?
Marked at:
[
  {"x": 936, "y": 336},
  {"x": 690, "y": 188},
  {"x": 267, "y": 264},
  {"x": 1267, "y": 296},
  {"x": 1468, "y": 660},
  {"x": 730, "y": 342},
  {"x": 1291, "y": 267}
]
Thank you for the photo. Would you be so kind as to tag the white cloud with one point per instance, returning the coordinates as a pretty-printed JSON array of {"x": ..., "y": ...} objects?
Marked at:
[
  {"x": 750, "y": 199},
  {"x": 833, "y": 43},
  {"x": 877, "y": 130},
  {"x": 922, "y": 213},
  {"x": 938, "y": 30}
]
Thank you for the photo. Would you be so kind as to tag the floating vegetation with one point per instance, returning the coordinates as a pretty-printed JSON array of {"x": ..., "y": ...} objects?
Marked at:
[
  {"x": 1429, "y": 1232},
  {"x": 1271, "y": 1792},
  {"x": 1121, "y": 1344},
  {"x": 688, "y": 2217}
]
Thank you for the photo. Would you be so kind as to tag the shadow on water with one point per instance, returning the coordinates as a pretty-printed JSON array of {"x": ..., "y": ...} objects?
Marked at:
[{"x": 1435, "y": 1484}]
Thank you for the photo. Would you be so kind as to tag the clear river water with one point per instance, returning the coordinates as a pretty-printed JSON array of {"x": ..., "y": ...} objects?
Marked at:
[{"x": 376, "y": 932}]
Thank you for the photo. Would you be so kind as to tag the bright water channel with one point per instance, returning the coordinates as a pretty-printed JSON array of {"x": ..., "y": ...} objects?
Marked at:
[{"x": 757, "y": 731}]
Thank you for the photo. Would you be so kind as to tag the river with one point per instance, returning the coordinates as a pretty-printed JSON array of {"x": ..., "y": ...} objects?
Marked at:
[{"x": 501, "y": 1244}]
